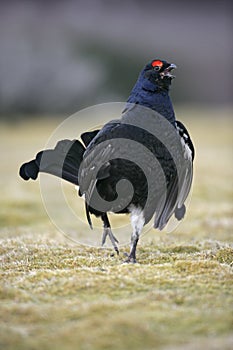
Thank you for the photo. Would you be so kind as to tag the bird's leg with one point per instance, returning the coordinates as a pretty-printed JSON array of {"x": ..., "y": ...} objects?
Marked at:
[
  {"x": 133, "y": 247},
  {"x": 137, "y": 222},
  {"x": 108, "y": 232}
]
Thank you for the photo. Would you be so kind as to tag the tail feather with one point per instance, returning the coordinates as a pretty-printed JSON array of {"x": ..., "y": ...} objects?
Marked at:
[
  {"x": 29, "y": 170},
  {"x": 63, "y": 162}
]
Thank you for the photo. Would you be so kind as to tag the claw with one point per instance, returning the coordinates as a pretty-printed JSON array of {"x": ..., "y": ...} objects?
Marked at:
[
  {"x": 116, "y": 250},
  {"x": 130, "y": 259}
]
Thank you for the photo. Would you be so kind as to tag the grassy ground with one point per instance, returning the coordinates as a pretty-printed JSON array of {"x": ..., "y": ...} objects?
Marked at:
[{"x": 58, "y": 295}]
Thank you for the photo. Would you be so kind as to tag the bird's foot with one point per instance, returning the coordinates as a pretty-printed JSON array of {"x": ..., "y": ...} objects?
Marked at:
[
  {"x": 130, "y": 259},
  {"x": 113, "y": 239}
]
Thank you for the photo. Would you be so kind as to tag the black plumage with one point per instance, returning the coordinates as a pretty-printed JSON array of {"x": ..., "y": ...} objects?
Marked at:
[{"x": 141, "y": 164}]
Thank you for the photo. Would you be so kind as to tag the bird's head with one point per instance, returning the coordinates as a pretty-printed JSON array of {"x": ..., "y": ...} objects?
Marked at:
[{"x": 158, "y": 72}]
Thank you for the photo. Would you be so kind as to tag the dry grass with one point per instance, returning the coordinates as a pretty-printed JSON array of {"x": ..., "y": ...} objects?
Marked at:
[{"x": 55, "y": 294}]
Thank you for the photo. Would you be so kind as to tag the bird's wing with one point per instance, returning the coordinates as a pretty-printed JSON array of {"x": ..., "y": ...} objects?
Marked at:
[
  {"x": 189, "y": 154},
  {"x": 95, "y": 161},
  {"x": 180, "y": 186},
  {"x": 177, "y": 194},
  {"x": 183, "y": 132}
]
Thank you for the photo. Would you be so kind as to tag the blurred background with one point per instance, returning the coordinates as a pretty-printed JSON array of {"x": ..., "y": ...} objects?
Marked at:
[
  {"x": 60, "y": 56},
  {"x": 57, "y": 57}
]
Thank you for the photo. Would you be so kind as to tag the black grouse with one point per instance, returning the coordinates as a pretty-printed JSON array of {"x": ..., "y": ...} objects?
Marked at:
[{"x": 141, "y": 164}]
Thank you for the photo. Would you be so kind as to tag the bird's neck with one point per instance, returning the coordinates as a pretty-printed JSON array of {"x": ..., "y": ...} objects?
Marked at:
[{"x": 152, "y": 96}]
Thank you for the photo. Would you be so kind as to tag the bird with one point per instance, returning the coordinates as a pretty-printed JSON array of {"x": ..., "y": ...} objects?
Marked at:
[{"x": 140, "y": 164}]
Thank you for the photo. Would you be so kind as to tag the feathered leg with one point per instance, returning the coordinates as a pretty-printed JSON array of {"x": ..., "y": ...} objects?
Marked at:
[{"x": 137, "y": 222}]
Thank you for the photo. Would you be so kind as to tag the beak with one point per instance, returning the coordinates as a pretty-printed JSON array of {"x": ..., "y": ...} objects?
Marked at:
[
  {"x": 167, "y": 71},
  {"x": 172, "y": 66}
]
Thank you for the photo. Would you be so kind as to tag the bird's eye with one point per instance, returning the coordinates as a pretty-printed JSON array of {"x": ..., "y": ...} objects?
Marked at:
[{"x": 157, "y": 65}]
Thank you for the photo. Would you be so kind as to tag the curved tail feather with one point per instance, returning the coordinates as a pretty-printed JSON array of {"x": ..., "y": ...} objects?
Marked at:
[{"x": 63, "y": 161}]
